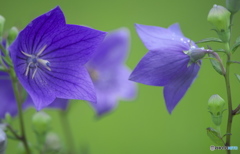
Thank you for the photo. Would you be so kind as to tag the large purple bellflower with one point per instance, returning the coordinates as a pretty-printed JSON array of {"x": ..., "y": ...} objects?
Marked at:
[
  {"x": 109, "y": 73},
  {"x": 168, "y": 62},
  {"x": 49, "y": 57}
]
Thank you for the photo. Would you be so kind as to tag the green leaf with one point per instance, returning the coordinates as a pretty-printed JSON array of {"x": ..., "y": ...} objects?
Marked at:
[
  {"x": 220, "y": 50},
  {"x": 211, "y": 39},
  {"x": 238, "y": 77},
  {"x": 216, "y": 65},
  {"x": 236, "y": 45},
  {"x": 215, "y": 136}
]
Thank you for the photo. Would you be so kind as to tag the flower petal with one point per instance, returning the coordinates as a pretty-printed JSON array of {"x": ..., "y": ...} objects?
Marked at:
[
  {"x": 39, "y": 30},
  {"x": 155, "y": 38},
  {"x": 72, "y": 44},
  {"x": 127, "y": 89},
  {"x": 105, "y": 103},
  {"x": 175, "y": 28},
  {"x": 61, "y": 82},
  {"x": 59, "y": 103},
  {"x": 8, "y": 103},
  {"x": 112, "y": 51},
  {"x": 176, "y": 89},
  {"x": 158, "y": 68}
]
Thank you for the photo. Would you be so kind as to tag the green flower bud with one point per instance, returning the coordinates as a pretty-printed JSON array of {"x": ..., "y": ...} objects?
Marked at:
[
  {"x": 3, "y": 141},
  {"x": 215, "y": 106},
  {"x": 233, "y": 5},
  {"x": 52, "y": 142},
  {"x": 8, "y": 118},
  {"x": 219, "y": 17},
  {"x": 13, "y": 32},
  {"x": 41, "y": 122},
  {"x": 2, "y": 21}
]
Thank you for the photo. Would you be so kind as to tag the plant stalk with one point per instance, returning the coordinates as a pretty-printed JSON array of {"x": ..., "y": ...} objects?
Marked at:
[
  {"x": 19, "y": 105},
  {"x": 229, "y": 97}
]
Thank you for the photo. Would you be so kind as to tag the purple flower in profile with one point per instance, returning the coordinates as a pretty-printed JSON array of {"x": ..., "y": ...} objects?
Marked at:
[
  {"x": 109, "y": 73},
  {"x": 172, "y": 61},
  {"x": 7, "y": 102},
  {"x": 49, "y": 57}
]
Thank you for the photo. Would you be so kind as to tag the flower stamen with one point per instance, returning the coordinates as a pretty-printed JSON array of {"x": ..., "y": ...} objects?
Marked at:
[
  {"x": 34, "y": 61},
  {"x": 35, "y": 70},
  {"x": 27, "y": 70},
  {"x": 40, "y": 52}
]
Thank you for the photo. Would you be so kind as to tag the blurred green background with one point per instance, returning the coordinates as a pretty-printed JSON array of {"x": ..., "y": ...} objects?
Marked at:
[{"x": 142, "y": 126}]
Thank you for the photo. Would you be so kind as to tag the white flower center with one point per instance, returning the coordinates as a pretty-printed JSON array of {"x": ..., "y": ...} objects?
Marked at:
[{"x": 34, "y": 60}]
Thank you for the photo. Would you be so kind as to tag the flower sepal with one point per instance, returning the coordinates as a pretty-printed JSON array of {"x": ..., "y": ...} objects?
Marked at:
[
  {"x": 211, "y": 39},
  {"x": 224, "y": 35},
  {"x": 196, "y": 54}
]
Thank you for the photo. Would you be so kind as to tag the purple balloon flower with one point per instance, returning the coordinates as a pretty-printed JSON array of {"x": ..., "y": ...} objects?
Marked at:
[
  {"x": 109, "y": 73},
  {"x": 49, "y": 57},
  {"x": 172, "y": 61},
  {"x": 8, "y": 102}
]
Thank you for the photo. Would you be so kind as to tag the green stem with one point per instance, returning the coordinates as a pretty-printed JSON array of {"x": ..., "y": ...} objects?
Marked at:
[
  {"x": 228, "y": 88},
  {"x": 13, "y": 132},
  {"x": 17, "y": 95},
  {"x": 67, "y": 132},
  {"x": 19, "y": 105},
  {"x": 234, "y": 62}
]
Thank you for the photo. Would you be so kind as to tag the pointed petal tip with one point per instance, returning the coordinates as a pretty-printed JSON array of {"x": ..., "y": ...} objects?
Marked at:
[
  {"x": 169, "y": 110},
  {"x": 57, "y": 9},
  {"x": 38, "y": 107},
  {"x": 137, "y": 26},
  {"x": 123, "y": 32}
]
